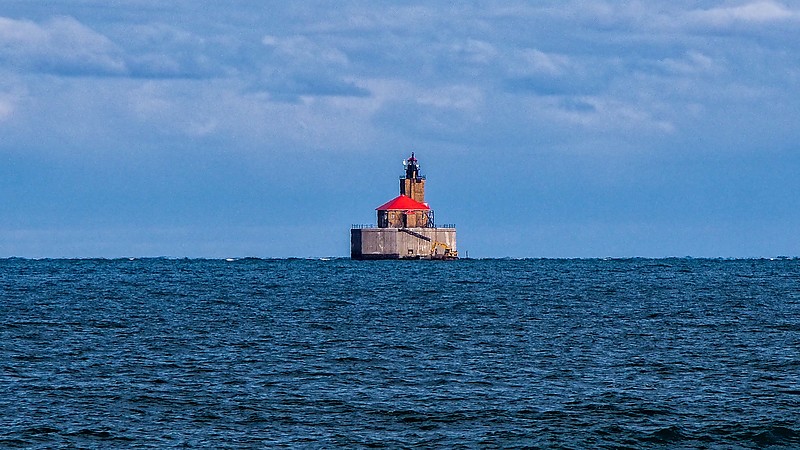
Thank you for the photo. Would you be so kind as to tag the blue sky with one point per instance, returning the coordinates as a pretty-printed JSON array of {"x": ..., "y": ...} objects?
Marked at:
[{"x": 266, "y": 128}]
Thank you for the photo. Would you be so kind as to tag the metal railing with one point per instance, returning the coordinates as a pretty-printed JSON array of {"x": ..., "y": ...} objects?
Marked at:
[{"x": 361, "y": 226}]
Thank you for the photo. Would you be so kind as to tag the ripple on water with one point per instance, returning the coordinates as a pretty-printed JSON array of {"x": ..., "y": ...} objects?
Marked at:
[{"x": 511, "y": 353}]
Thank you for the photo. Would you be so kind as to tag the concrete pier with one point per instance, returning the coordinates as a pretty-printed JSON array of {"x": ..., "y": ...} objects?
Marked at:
[{"x": 403, "y": 243}]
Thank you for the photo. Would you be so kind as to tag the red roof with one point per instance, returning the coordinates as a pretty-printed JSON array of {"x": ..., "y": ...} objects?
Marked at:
[{"x": 404, "y": 203}]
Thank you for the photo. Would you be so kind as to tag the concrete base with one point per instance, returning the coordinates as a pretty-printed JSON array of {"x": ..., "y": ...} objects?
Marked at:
[{"x": 401, "y": 243}]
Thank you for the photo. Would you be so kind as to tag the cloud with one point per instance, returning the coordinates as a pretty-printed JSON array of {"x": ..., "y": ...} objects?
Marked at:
[
  {"x": 605, "y": 114},
  {"x": 693, "y": 62},
  {"x": 760, "y": 12},
  {"x": 298, "y": 66},
  {"x": 452, "y": 112},
  {"x": 443, "y": 71},
  {"x": 457, "y": 98},
  {"x": 393, "y": 19},
  {"x": 475, "y": 51},
  {"x": 13, "y": 94},
  {"x": 302, "y": 50},
  {"x": 6, "y": 107},
  {"x": 66, "y": 47},
  {"x": 61, "y": 45},
  {"x": 539, "y": 72},
  {"x": 157, "y": 50},
  {"x": 533, "y": 61},
  {"x": 290, "y": 85}
]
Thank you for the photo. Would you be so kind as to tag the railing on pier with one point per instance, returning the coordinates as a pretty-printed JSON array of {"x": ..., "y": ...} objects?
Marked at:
[{"x": 361, "y": 226}]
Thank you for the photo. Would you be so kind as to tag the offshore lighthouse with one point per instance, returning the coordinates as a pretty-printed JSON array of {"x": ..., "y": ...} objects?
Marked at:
[{"x": 406, "y": 228}]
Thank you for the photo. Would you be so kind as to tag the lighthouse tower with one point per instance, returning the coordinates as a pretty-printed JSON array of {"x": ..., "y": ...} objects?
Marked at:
[
  {"x": 413, "y": 184},
  {"x": 408, "y": 210},
  {"x": 406, "y": 227}
]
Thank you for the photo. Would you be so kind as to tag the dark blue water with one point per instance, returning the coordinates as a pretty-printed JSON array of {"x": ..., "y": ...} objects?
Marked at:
[{"x": 674, "y": 353}]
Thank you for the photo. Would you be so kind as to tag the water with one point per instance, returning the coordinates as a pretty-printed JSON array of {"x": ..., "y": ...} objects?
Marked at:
[{"x": 154, "y": 353}]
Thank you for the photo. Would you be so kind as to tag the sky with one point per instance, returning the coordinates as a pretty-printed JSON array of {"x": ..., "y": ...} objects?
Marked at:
[{"x": 567, "y": 128}]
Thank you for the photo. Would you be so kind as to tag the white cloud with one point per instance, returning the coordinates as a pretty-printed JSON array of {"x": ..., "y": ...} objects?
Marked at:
[
  {"x": 12, "y": 94},
  {"x": 390, "y": 19},
  {"x": 534, "y": 61},
  {"x": 299, "y": 66},
  {"x": 149, "y": 101},
  {"x": 592, "y": 66},
  {"x": 64, "y": 46},
  {"x": 457, "y": 98},
  {"x": 298, "y": 50},
  {"x": 6, "y": 108},
  {"x": 463, "y": 98},
  {"x": 61, "y": 45},
  {"x": 157, "y": 50},
  {"x": 693, "y": 62},
  {"x": 760, "y": 12},
  {"x": 476, "y": 51},
  {"x": 604, "y": 114}
]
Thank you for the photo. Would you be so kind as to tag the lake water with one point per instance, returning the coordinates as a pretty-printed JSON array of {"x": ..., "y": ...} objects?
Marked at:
[{"x": 634, "y": 353}]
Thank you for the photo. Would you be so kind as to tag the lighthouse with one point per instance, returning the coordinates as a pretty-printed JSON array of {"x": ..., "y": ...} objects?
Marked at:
[
  {"x": 406, "y": 228},
  {"x": 413, "y": 184}
]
